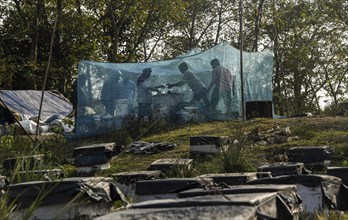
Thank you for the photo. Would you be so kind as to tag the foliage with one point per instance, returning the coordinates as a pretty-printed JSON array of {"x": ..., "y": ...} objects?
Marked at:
[
  {"x": 233, "y": 158},
  {"x": 56, "y": 149},
  {"x": 23, "y": 171},
  {"x": 308, "y": 40},
  {"x": 134, "y": 129},
  {"x": 345, "y": 163},
  {"x": 14, "y": 145},
  {"x": 336, "y": 108},
  {"x": 332, "y": 214},
  {"x": 304, "y": 53},
  {"x": 331, "y": 131},
  {"x": 182, "y": 170}
]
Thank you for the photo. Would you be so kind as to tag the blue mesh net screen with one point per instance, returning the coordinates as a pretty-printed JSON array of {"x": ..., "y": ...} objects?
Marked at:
[{"x": 108, "y": 93}]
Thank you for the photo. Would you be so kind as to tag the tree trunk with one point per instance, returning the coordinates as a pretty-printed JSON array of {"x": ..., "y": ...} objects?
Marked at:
[
  {"x": 142, "y": 33},
  {"x": 277, "y": 79},
  {"x": 298, "y": 99},
  {"x": 116, "y": 25},
  {"x": 192, "y": 27},
  {"x": 257, "y": 25},
  {"x": 219, "y": 23}
]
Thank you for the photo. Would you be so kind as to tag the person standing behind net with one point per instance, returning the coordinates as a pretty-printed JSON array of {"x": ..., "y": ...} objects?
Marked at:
[
  {"x": 221, "y": 83},
  {"x": 79, "y": 99},
  {"x": 126, "y": 89},
  {"x": 194, "y": 83},
  {"x": 108, "y": 93},
  {"x": 144, "y": 91}
]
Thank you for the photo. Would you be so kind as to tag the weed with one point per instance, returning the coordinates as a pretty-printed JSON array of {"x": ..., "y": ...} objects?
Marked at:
[
  {"x": 23, "y": 167},
  {"x": 182, "y": 170},
  {"x": 56, "y": 149},
  {"x": 6, "y": 207},
  {"x": 206, "y": 164},
  {"x": 345, "y": 163},
  {"x": 23, "y": 170},
  {"x": 331, "y": 214},
  {"x": 12, "y": 144},
  {"x": 233, "y": 157}
]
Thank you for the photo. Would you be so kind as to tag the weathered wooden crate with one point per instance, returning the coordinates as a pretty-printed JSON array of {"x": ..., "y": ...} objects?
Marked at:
[
  {"x": 24, "y": 163},
  {"x": 318, "y": 192},
  {"x": 310, "y": 155},
  {"x": 230, "y": 178},
  {"x": 71, "y": 198},
  {"x": 190, "y": 212},
  {"x": 283, "y": 168},
  {"x": 95, "y": 157},
  {"x": 237, "y": 206},
  {"x": 163, "y": 188},
  {"x": 341, "y": 172},
  {"x": 207, "y": 144},
  {"x": 169, "y": 164},
  {"x": 288, "y": 192},
  {"x": 126, "y": 181}
]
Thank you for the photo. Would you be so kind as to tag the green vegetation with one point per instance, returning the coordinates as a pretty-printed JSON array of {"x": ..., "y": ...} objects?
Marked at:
[
  {"x": 332, "y": 215},
  {"x": 308, "y": 39},
  {"x": 331, "y": 131},
  {"x": 233, "y": 157},
  {"x": 252, "y": 143},
  {"x": 23, "y": 170}
]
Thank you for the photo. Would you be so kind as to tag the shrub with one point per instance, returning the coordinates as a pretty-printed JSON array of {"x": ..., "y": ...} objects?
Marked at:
[
  {"x": 182, "y": 171},
  {"x": 232, "y": 157}
]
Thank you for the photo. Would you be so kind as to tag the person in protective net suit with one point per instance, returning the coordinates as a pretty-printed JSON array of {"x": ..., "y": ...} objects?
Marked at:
[
  {"x": 198, "y": 88},
  {"x": 222, "y": 83}
]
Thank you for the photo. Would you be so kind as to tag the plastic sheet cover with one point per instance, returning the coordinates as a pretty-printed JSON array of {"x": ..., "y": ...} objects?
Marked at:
[
  {"x": 26, "y": 103},
  {"x": 110, "y": 91}
]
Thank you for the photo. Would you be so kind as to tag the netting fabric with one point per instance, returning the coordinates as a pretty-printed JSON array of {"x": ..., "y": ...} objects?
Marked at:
[{"x": 195, "y": 86}]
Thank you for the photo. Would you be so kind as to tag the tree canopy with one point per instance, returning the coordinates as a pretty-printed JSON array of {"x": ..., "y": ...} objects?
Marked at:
[{"x": 308, "y": 38}]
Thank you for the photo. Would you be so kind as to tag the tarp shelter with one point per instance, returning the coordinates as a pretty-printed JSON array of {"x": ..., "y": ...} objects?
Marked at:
[
  {"x": 26, "y": 104},
  {"x": 177, "y": 103}
]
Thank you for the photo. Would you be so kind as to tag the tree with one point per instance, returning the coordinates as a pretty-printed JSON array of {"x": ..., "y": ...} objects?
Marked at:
[
  {"x": 25, "y": 35},
  {"x": 300, "y": 33},
  {"x": 308, "y": 39}
]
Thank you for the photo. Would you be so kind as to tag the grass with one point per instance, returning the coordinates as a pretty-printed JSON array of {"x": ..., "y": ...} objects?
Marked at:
[
  {"x": 182, "y": 170},
  {"x": 331, "y": 131},
  {"x": 332, "y": 215},
  {"x": 21, "y": 172},
  {"x": 247, "y": 156},
  {"x": 233, "y": 157}
]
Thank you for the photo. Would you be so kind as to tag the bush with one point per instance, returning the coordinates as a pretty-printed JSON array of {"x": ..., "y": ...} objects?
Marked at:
[
  {"x": 182, "y": 171},
  {"x": 232, "y": 157}
]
